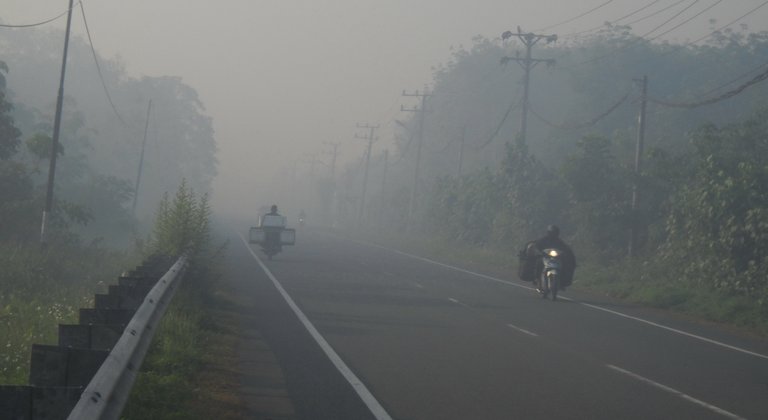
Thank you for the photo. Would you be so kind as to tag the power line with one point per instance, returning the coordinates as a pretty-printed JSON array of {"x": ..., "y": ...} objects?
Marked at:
[
  {"x": 655, "y": 13},
  {"x": 687, "y": 20},
  {"x": 98, "y": 67},
  {"x": 635, "y": 41},
  {"x": 678, "y": 48},
  {"x": 728, "y": 24},
  {"x": 614, "y": 21},
  {"x": 36, "y": 24},
  {"x": 513, "y": 106},
  {"x": 670, "y": 19},
  {"x": 754, "y": 69},
  {"x": 575, "y": 17},
  {"x": 689, "y": 105},
  {"x": 590, "y": 123}
]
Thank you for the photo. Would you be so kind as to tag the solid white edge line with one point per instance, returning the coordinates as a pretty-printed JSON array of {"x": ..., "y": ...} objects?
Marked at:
[
  {"x": 651, "y": 323},
  {"x": 676, "y": 392},
  {"x": 368, "y": 399},
  {"x": 522, "y": 330}
]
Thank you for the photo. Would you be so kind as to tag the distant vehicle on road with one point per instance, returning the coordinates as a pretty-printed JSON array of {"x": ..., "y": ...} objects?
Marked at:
[{"x": 272, "y": 233}]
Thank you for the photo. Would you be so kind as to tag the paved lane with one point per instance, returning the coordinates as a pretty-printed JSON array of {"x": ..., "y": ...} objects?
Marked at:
[{"x": 431, "y": 342}]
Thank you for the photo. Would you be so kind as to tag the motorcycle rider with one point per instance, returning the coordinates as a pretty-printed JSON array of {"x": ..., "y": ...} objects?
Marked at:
[
  {"x": 552, "y": 240},
  {"x": 273, "y": 237}
]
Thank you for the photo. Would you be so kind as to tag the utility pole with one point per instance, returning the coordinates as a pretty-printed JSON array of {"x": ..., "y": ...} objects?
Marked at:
[
  {"x": 638, "y": 164},
  {"x": 370, "y": 137},
  {"x": 141, "y": 161},
  {"x": 312, "y": 161},
  {"x": 424, "y": 96},
  {"x": 335, "y": 154},
  {"x": 461, "y": 149},
  {"x": 383, "y": 189},
  {"x": 527, "y": 63},
  {"x": 56, "y": 131}
]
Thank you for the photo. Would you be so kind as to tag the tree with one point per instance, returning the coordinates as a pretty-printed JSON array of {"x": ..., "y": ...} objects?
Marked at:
[{"x": 718, "y": 228}]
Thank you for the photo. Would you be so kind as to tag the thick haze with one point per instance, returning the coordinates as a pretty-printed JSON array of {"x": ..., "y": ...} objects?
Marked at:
[{"x": 281, "y": 78}]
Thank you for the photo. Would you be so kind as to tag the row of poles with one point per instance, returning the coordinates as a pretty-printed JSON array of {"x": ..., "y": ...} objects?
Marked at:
[
  {"x": 528, "y": 63},
  {"x": 56, "y": 134}
]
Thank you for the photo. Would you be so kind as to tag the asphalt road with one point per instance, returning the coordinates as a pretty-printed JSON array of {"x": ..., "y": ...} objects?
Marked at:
[{"x": 428, "y": 341}]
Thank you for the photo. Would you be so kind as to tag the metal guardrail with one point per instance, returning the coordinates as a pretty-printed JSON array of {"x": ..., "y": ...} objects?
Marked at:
[
  {"x": 106, "y": 394},
  {"x": 89, "y": 374}
]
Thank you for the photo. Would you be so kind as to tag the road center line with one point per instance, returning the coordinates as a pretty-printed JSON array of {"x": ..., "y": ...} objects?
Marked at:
[
  {"x": 522, "y": 330},
  {"x": 676, "y": 392},
  {"x": 456, "y": 301},
  {"x": 368, "y": 399},
  {"x": 596, "y": 307}
]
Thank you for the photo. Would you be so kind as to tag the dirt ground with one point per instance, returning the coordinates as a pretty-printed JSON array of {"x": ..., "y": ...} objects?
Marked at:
[{"x": 240, "y": 378}]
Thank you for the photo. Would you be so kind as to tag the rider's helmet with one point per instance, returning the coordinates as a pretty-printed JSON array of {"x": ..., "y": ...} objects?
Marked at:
[
  {"x": 274, "y": 208},
  {"x": 553, "y": 231}
]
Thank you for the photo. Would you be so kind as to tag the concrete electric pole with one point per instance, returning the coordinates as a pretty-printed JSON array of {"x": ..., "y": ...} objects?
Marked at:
[
  {"x": 56, "y": 131},
  {"x": 421, "y": 111},
  {"x": 370, "y": 137},
  {"x": 141, "y": 161},
  {"x": 638, "y": 163},
  {"x": 527, "y": 63}
]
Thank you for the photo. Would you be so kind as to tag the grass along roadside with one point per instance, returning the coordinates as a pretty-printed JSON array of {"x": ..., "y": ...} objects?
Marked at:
[
  {"x": 190, "y": 371},
  {"x": 40, "y": 289},
  {"x": 636, "y": 281}
]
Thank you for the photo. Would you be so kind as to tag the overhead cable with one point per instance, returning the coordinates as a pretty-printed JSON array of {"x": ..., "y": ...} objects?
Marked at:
[
  {"x": 98, "y": 67},
  {"x": 687, "y": 20},
  {"x": 575, "y": 17},
  {"x": 577, "y": 126},
  {"x": 670, "y": 19},
  {"x": 613, "y": 22},
  {"x": 635, "y": 41},
  {"x": 689, "y": 105},
  {"x": 728, "y": 24},
  {"x": 743, "y": 75},
  {"x": 511, "y": 108},
  {"x": 38, "y": 23},
  {"x": 655, "y": 13}
]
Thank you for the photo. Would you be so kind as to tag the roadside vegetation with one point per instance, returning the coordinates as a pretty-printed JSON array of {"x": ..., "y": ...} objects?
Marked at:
[
  {"x": 187, "y": 365},
  {"x": 40, "y": 289}
]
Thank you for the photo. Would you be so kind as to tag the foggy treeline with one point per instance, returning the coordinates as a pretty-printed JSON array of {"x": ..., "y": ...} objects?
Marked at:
[
  {"x": 703, "y": 190},
  {"x": 100, "y": 145}
]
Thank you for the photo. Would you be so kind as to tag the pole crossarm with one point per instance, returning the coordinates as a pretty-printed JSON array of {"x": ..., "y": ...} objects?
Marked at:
[{"x": 528, "y": 39}]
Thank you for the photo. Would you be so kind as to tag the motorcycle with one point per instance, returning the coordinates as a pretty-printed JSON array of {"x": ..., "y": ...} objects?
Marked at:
[
  {"x": 549, "y": 280},
  {"x": 272, "y": 234}
]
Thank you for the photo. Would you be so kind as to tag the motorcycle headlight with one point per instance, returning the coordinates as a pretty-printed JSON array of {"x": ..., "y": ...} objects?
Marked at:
[{"x": 553, "y": 253}]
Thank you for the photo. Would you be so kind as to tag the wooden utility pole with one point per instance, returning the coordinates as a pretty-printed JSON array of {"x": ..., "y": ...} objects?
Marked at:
[
  {"x": 141, "y": 161},
  {"x": 370, "y": 137},
  {"x": 56, "y": 131},
  {"x": 527, "y": 63},
  {"x": 638, "y": 164},
  {"x": 421, "y": 111}
]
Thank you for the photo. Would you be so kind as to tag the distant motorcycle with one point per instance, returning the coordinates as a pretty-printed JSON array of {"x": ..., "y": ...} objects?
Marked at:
[
  {"x": 272, "y": 234},
  {"x": 549, "y": 280}
]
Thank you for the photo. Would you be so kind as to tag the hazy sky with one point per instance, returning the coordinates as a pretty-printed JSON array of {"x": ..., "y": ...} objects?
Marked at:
[{"x": 281, "y": 77}]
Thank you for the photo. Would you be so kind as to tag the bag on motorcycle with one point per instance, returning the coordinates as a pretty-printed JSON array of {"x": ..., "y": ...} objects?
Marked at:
[{"x": 526, "y": 268}]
